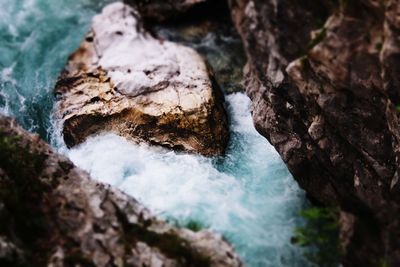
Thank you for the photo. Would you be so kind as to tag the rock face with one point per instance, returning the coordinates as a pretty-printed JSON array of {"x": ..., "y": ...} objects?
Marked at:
[
  {"x": 121, "y": 79},
  {"x": 324, "y": 81},
  {"x": 53, "y": 214}
]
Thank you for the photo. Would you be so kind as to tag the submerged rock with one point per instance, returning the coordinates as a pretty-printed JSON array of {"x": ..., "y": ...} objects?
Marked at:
[
  {"x": 324, "y": 95},
  {"x": 121, "y": 79},
  {"x": 53, "y": 214}
]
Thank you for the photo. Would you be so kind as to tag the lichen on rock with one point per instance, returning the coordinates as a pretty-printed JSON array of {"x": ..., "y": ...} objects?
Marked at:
[{"x": 122, "y": 79}]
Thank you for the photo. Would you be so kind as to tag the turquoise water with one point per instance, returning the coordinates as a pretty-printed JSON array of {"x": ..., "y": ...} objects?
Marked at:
[
  {"x": 248, "y": 195},
  {"x": 36, "y": 37}
]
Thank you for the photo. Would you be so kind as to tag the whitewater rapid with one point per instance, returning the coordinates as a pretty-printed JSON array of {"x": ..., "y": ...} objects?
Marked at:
[{"x": 248, "y": 195}]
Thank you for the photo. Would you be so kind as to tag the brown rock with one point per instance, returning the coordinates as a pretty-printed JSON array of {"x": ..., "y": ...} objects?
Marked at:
[
  {"x": 323, "y": 82},
  {"x": 123, "y": 80}
]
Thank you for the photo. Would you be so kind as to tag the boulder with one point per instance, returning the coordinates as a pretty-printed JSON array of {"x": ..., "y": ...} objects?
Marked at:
[
  {"x": 323, "y": 79},
  {"x": 53, "y": 214},
  {"x": 121, "y": 79}
]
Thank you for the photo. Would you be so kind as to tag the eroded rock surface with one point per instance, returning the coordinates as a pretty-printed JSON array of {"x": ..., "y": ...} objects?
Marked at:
[
  {"x": 323, "y": 79},
  {"x": 53, "y": 214},
  {"x": 121, "y": 79}
]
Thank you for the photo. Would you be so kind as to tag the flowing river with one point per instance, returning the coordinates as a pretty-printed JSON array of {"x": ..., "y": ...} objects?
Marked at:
[{"x": 248, "y": 195}]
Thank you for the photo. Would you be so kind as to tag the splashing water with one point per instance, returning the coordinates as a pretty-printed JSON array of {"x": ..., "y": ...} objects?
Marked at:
[
  {"x": 36, "y": 38},
  {"x": 248, "y": 195}
]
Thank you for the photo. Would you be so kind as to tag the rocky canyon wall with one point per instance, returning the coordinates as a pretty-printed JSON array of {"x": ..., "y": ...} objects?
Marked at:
[{"x": 324, "y": 84}]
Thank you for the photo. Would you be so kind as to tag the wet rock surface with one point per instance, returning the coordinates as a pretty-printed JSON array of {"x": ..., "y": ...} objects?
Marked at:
[
  {"x": 53, "y": 214},
  {"x": 123, "y": 80},
  {"x": 321, "y": 76}
]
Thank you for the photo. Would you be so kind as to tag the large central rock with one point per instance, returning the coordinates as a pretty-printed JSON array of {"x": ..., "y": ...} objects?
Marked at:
[{"x": 121, "y": 79}]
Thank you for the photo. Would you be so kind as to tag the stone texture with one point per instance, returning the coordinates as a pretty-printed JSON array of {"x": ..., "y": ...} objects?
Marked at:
[
  {"x": 121, "y": 79},
  {"x": 53, "y": 214},
  {"x": 323, "y": 80}
]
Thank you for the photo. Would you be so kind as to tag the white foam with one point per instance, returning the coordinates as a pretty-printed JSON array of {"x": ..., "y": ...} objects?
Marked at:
[
  {"x": 239, "y": 105},
  {"x": 165, "y": 181},
  {"x": 248, "y": 195}
]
